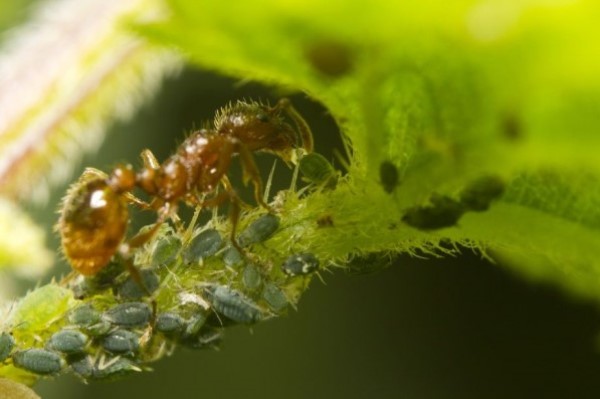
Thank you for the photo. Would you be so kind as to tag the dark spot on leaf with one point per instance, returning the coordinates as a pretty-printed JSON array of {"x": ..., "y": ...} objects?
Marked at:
[
  {"x": 329, "y": 57},
  {"x": 388, "y": 176},
  {"x": 511, "y": 127},
  {"x": 442, "y": 211},
  {"x": 480, "y": 193}
]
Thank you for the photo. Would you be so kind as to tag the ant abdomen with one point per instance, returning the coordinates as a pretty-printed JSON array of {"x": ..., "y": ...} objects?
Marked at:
[{"x": 92, "y": 224}]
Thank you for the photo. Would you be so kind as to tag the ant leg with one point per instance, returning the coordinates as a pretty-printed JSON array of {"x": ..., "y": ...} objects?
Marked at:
[
  {"x": 142, "y": 238},
  {"x": 149, "y": 160},
  {"x": 250, "y": 171},
  {"x": 137, "y": 278},
  {"x": 234, "y": 217},
  {"x": 301, "y": 125},
  {"x": 136, "y": 242},
  {"x": 132, "y": 199},
  {"x": 161, "y": 206},
  {"x": 234, "y": 211},
  {"x": 215, "y": 201},
  {"x": 229, "y": 187},
  {"x": 68, "y": 278}
]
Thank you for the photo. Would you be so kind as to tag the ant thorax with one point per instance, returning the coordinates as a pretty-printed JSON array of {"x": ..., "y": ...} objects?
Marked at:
[{"x": 198, "y": 166}]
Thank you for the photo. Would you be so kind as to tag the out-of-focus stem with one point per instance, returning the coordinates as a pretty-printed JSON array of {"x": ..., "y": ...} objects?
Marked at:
[{"x": 72, "y": 69}]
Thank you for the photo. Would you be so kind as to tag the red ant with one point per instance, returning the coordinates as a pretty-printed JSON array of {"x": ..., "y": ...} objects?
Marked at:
[{"x": 94, "y": 215}]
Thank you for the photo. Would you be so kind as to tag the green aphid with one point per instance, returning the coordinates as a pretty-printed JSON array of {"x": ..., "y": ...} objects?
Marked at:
[
  {"x": 275, "y": 297},
  {"x": 232, "y": 257},
  {"x": 41, "y": 307},
  {"x": 166, "y": 250},
  {"x": 39, "y": 361},
  {"x": 315, "y": 168},
  {"x": 194, "y": 324},
  {"x": 208, "y": 338},
  {"x": 89, "y": 320},
  {"x": 68, "y": 341},
  {"x": 233, "y": 304},
  {"x": 84, "y": 315},
  {"x": 169, "y": 323},
  {"x": 7, "y": 343},
  {"x": 99, "y": 329},
  {"x": 115, "y": 369},
  {"x": 108, "y": 369},
  {"x": 131, "y": 289},
  {"x": 251, "y": 277},
  {"x": 259, "y": 230},
  {"x": 121, "y": 341},
  {"x": 300, "y": 264},
  {"x": 130, "y": 314},
  {"x": 202, "y": 246},
  {"x": 83, "y": 367},
  {"x": 102, "y": 280}
]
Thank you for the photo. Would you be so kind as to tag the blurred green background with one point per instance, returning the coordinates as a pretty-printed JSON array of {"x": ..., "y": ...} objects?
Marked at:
[{"x": 454, "y": 328}]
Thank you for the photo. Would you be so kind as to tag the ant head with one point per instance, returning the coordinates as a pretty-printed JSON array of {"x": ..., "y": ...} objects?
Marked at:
[
  {"x": 259, "y": 127},
  {"x": 122, "y": 179}
]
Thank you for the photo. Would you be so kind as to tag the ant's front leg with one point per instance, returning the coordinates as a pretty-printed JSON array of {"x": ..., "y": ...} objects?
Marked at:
[
  {"x": 127, "y": 250},
  {"x": 149, "y": 160},
  {"x": 229, "y": 188},
  {"x": 136, "y": 276},
  {"x": 140, "y": 203},
  {"x": 234, "y": 210},
  {"x": 143, "y": 237},
  {"x": 251, "y": 173}
]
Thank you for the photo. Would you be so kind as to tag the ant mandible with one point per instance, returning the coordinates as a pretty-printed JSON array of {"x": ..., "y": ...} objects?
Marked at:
[{"x": 94, "y": 214}]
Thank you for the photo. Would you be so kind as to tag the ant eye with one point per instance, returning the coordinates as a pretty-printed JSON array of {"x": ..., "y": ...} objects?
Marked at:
[{"x": 262, "y": 117}]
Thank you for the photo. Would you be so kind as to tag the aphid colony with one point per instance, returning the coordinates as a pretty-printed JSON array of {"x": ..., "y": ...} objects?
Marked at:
[
  {"x": 106, "y": 337},
  {"x": 102, "y": 340}
]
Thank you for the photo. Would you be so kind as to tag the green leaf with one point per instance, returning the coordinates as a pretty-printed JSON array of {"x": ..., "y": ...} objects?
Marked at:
[
  {"x": 447, "y": 94},
  {"x": 547, "y": 226}
]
